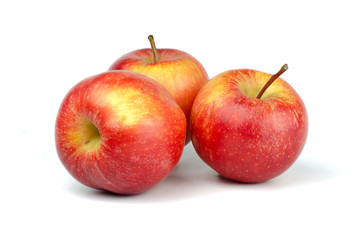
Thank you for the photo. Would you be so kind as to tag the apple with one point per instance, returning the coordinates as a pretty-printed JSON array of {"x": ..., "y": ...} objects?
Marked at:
[
  {"x": 246, "y": 128},
  {"x": 180, "y": 73},
  {"x": 119, "y": 131}
]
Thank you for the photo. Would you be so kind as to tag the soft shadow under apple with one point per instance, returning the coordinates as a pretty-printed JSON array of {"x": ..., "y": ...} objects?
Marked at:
[
  {"x": 303, "y": 172},
  {"x": 191, "y": 178}
]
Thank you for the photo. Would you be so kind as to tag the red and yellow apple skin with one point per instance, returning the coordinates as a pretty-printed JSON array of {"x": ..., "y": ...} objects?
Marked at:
[
  {"x": 180, "y": 73},
  {"x": 119, "y": 131},
  {"x": 244, "y": 138}
]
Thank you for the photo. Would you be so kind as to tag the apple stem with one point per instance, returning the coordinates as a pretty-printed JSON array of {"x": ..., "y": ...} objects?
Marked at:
[
  {"x": 272, "y": 79},
  {"x": 154, "y": 49}
]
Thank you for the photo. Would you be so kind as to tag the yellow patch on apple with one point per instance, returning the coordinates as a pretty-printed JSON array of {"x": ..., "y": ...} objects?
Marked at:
[{"x": 130, "y": 105}]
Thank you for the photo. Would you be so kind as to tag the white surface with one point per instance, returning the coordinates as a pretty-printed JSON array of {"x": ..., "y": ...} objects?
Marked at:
[{"x": 47, "y": 47}]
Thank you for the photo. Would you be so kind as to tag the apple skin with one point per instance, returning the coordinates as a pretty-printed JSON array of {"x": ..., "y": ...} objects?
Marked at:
[
  {"x": 243, "y": 138},
  {"x": 119, "y": 131},
  {"x": 180, "y": 73}
]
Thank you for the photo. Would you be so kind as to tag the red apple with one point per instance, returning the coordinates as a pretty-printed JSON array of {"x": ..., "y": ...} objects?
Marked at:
[
  {"x": 180, "y": 73},
  {"x": 119, "y": 131},
  {"x": 244, "y": 134}
]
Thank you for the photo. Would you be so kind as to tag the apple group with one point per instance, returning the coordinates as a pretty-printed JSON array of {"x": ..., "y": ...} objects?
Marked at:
[{"x": 124, "y": 130}]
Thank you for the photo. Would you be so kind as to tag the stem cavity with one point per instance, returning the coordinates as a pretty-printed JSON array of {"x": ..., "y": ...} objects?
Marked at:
[{"x": 272, "y": 79}]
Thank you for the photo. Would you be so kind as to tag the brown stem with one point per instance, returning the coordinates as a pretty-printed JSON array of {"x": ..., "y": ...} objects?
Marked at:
[
  {"x": 272, "y": 79},
  {"x": 154, "y": 49}
]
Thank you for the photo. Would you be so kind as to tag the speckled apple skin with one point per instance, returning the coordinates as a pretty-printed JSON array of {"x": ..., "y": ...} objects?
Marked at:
[
  {"x": 141, "y": 128},
  {"x": 179, "y": 72},
  {"x": 243, "y": 138}
]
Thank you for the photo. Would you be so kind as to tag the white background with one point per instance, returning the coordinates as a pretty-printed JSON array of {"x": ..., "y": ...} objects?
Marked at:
[{"x": 46, "y": 47}]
